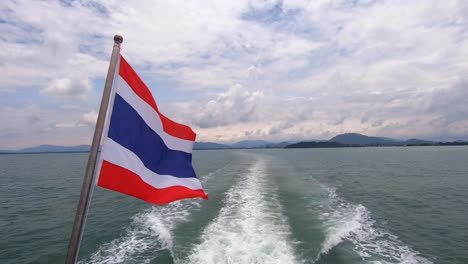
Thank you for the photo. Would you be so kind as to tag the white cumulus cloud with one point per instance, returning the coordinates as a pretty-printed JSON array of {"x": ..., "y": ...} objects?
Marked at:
[
  {"x": 70, "y": 88},
  {"x": 247, "y": 69}
]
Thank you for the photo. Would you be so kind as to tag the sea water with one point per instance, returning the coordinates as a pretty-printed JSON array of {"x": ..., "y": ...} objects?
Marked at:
[{"x": 353, "y": 205}]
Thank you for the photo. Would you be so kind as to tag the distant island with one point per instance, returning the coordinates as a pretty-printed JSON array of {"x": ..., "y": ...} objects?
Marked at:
[
  {"x": 49, "y": 149},
  {"x": 346, "y": 140},
  {"x": 245, "y": 144}
]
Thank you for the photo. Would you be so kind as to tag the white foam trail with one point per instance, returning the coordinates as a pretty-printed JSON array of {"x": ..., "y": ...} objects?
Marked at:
[
  {"x": 150, "y": 231},
  {"x": 348, "y": 222},
  {"x": 250, "y": 228}
]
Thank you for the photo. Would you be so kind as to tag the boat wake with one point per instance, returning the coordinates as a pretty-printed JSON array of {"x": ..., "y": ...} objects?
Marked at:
[
  {"x": 344, "y": 221},
  {"x": 149, "y": 231},
  {"x": 250, "y": 228}
]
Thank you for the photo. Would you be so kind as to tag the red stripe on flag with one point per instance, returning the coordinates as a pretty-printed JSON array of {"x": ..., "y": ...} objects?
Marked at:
[
  {"x": 124, "y": 181},
  {"x": 139, "y": 87}
]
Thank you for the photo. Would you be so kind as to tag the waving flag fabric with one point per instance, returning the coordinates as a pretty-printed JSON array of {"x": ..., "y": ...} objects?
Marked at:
[{"x": 145, "y": 154}]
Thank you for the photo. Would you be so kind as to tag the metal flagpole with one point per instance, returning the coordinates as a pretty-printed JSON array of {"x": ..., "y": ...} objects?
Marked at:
[{"x": 86, "y": 188}]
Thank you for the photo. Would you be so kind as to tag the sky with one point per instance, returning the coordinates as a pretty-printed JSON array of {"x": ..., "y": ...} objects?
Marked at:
[{"x": 236, "y": 70}]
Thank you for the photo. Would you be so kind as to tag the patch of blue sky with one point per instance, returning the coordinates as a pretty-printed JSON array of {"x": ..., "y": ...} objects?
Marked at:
[
  {"x": 8, "y": 17},
  {"x": 360, "y": 3},
  {"x": 274, "y": 14},
  {"x": 284, "y": 21},
  {"x": 94, "y": 5},
  {"x": 18, "y": 31},
  {"x": 89, "y": 47},
  {"x": 291, "y": 20},
  {"x": 96, "y": 93},
  {"x": 98, "y": 7},
  {"x": 67, "y": 3},
  {"x": 19, "y": 97},
  {"x": 31, "y": 39},
  {"x": 24, "y": 28}
]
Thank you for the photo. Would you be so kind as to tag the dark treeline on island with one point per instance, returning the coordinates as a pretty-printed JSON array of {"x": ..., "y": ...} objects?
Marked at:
[
  {"x": 348, "y": 140},
  {"x": 317, "y": 144},
  {"x": 332, "y": 144},
  {"x": 351, "y": 140}
]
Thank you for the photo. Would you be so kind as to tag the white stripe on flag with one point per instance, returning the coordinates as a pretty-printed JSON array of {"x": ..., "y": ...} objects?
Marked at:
[
  {"x": 150, "y": 116},
  {"x": 118, "y": 155}
]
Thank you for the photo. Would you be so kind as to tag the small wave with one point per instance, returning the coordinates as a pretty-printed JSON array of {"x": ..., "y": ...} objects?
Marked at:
[
  {"x": 349, "y": 222},
  {"x": 149, "y": 231},
  {"x": 250, "y": 228},
  {"x": 207, "y": 177},
  {"x": 341, "y": 228}
]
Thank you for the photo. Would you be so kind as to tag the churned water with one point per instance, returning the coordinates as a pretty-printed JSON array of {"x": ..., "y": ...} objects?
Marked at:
[{"x": 354, "y": 205}]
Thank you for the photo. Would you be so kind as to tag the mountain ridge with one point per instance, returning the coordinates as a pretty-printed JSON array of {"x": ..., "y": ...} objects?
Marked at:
[
  {"x": 209, "y": 145},
  {"x": 56, "y": 148},
  {"x": 343, "y": 140},
  {"x": 360, "y": 139}
]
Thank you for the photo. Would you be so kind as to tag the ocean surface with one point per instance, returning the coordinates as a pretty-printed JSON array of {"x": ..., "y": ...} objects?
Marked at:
[{"x": 352, "y": 205}]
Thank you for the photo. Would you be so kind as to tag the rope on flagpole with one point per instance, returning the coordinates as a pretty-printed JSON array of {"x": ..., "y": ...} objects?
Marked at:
[{"x": 86, "y": 188}]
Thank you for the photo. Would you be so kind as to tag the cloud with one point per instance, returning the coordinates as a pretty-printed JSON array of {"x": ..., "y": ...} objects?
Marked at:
[
  {"x": 89, "y": 119},
  {"x": 236, "y": 105},
  {"x": 278, "y": 128},
  {"x": 29, "y": 125},
  {"x": 246, "y": 69},
  {"x": 69, "y": 88}
]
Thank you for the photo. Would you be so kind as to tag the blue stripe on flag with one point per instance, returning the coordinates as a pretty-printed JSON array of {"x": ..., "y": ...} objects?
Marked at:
[{"x": 130, "y": 130}]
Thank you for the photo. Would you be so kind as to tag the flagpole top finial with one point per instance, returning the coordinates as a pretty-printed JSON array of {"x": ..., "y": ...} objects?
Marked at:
[{"x": 118, "y": 39}]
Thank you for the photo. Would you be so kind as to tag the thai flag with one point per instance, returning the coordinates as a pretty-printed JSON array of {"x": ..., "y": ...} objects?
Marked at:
[{"x": 145, "y": 154}]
